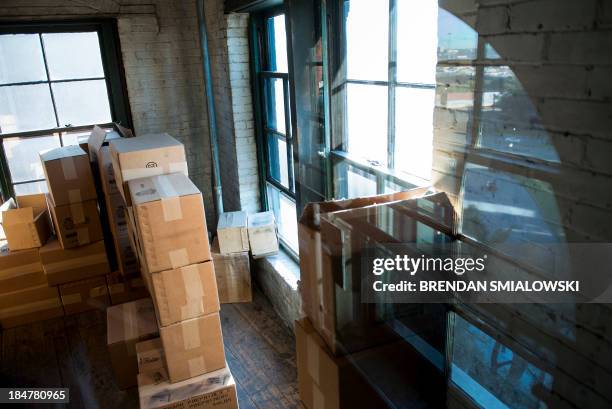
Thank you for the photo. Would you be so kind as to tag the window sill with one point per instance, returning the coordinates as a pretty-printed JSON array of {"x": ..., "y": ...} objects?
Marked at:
[{"x": 286, "y": 266}]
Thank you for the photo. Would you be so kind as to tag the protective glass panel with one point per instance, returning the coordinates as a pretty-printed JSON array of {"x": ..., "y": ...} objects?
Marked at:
[
  {"x": 275, "y": 104},
  {"x": 417, "y": 41},
  {"x": 492, "y": 374},
  {"x": 414, "y": 130},
  {"x": 285, "y": 214},
  {"x": 21, "y": 59},
  {"x": 26, "y": 108},
  {"x": 82, "y": 102},
  {"x": 367, "y": 39},
  {"x": 277, "y": 44},
  {"x": 367, "y": 122},
  {"x": 23, "y": 159},
  {"x": 73, "y": 55},
  {"x": 277, "y": 154}
]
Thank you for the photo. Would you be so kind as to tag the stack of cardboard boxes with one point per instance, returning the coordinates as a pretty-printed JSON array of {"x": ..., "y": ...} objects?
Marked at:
[
  {"x": 75, "y": 260},
  {"x": 167, "y": 229}
]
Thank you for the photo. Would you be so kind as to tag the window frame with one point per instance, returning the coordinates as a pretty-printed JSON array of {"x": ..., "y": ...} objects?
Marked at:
[
  {"x": 259, "y": 53},
  {"x": 114, "y": 76}
]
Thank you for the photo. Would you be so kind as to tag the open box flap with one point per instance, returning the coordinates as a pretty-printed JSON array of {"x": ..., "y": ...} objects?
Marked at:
[{"x": 95, "y": 142}]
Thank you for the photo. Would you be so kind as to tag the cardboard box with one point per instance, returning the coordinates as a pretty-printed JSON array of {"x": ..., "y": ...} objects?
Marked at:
[
  {"x": 193, "y": 347},
  {"x": 99, "y": 138},
  {"x": 29, "y": 305},
  {"x": 262, "y": 234},
  {"x": 107, "y": 172},
  {"x": 145, "y": 156},
  {"x": 68, "y": 175},
  {"x": 66, "y": 265},
  {"x": 214, "y": 390},
  {"x": 232, "y": 232},
  {"x": 125, "y": 288},
  {"x": 126, "y": 256},
  {"x": 26, "y": 223},
  {"x": 326, "y": 381},
  {"x": 150, "y": 356},
  {"x": 19, "y": 269},
  {"x": 84, "y": 295},
  {"x": 127, "y": 325},
  {"x": 184, "y": 293},
  {"x": 316, "y": 285},
  {"x": 76, "y": 224},
  {"x": 233, "y": 275},
  {"x": 117, "y": 214},
  {"x": 170, "y": 221}
]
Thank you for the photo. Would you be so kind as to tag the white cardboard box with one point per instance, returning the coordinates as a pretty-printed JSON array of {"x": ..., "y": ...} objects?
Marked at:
[
  {"x": 262, "y": 234},
  {"x": 232, "y": 232}
]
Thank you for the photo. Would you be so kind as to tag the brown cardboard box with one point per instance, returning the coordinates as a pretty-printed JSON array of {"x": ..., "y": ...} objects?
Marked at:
[
  {"x": 326, "y": 381},
  {"x": 232, "y": 232},
  {"x": 184, "y": 293},
  {"x": 68, "y": 175},
  {"x": 233, "y": 275},
  {"x": 214, "y": 390},
  {"x": 19, "y": 269},
  {"x": 193, "y": 347},
  {"x": 26, "y": 224},
  {"x": 126, "y": 256},
  {"x": 144, "y": 156},
  {"x": 65, "y": 265},
  {"x": 117, "y": 214},
  {"x": 84, "y": 295},
  {"x": 107, "y": 172},
  {"x": 29, "y": 305},
  {"x": 170, "y": 221},
  {"x": 150, "y": 356},
  {"x": 128, "y": 324},
  {"x": 316, "y": 286},
  {"x": 262, "y": 234},
  {"x": 125, "y": 288},
  {"x": 76, "y": 224}
]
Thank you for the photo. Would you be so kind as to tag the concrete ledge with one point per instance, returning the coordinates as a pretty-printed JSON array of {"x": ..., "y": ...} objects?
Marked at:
[{"x": 278, "y": 277}]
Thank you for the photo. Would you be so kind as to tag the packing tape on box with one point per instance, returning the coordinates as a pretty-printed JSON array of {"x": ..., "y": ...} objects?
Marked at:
[
  {"x": 312, "y": 354},
  {"x": 232, "y": 291},
  {"x": 318, "y": 399},
  {"x": 194, "y": 292},
  {"x": 30, "y": 307},
  {"x": 178, "y": 258},
  {"x": 60, "y": 266},
  {"x": 74, "y": 196},
  {"x": 77, "y": 212},
  {"x": 178, "y": 167},
  {"x": 98, "y": 291},
  {"x": 171, "y": 202},
  {"x": 196, "y": 366},
  {"x": 69, "y": 168},
  {"x": 191, "y": 335},
  {"x": 21, "y": 270},
  {"x": 130, "y": 322},
  {"x": 116, "y": 288},
  {"x": 71, "y": 299}
]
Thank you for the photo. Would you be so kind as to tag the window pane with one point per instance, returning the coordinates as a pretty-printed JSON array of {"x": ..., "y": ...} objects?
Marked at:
[
  {"x": 72, "y": 138},
  {"x": 417, "y": 41},
  {"x": 456, "y": 39},
  {"x": 286, "y": 218},
  {"x": 367, "y": 39},
  {"x": 491, "y": 373},
  {"x": 509, "y": 120},
  {"x": 275, "y": 104},
  {"x": 414, "y": 130},
  {"x": 277, "y": 153},
  {"x": 360, "y": 183},
  {"x": 26, "y": 108},
  {"x": 21, "y": 58},
  {"x": 367, "y": 121},
  {"x": 82, "y": 102},
  {"x": 61, "y": 49},
  {"x": 22, "y": 156},
  {"x": 277, "y": 44},
  {"x": 31, "y": 188}
]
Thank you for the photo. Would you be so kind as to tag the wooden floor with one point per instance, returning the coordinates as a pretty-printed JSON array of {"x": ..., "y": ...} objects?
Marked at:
[{"x": 71, "y": 352}]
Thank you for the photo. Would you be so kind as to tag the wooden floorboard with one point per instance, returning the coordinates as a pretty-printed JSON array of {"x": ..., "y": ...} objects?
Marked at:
[{"x": 71, "y": 352}]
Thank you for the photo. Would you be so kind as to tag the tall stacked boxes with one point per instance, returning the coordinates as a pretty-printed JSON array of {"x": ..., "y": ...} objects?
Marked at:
[
  {"x": 76, "y": 261},
  {"x": 126, "y": 286},
  {"x": 166, "y": 224}
]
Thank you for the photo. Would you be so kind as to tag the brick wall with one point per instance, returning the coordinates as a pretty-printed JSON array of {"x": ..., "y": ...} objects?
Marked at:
[{"x": 163, "y": 67}]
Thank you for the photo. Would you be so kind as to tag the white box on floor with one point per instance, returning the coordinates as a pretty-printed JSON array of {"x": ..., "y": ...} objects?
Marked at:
[{"x": 232, "y": 232}]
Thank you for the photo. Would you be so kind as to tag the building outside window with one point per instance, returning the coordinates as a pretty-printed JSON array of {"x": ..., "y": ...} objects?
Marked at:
[{"x": 56, "y": 82}]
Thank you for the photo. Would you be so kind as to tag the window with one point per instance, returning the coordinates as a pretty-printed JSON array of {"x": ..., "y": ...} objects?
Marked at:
[
  {"x": 56, "y": 81},
  {"x": 387, "y": 88},
  {"x": 274, "y": 124}
]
